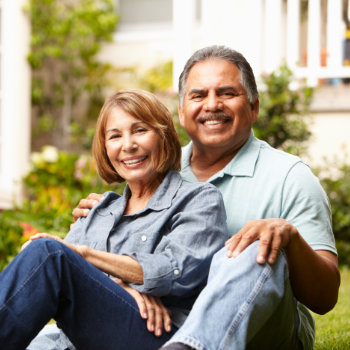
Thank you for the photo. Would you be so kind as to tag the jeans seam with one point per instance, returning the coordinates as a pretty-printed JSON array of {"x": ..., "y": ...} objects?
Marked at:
[
  {"x": 266, "y": 273},
  {"x": 102, "y": 285},
  {"x": 20, "y": 288}
]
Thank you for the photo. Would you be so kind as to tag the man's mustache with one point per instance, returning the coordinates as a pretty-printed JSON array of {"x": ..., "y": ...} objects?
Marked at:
[{"x": 219, "y": 116}]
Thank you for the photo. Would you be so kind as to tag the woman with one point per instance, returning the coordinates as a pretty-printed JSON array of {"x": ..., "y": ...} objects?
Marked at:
[{"x": 158, "y": 238}]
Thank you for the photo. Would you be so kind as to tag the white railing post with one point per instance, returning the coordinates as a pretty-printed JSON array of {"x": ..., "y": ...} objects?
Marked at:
[
  {"x": 293, "y": 32},
  {"x": 272, "y": 35},
  {"x": 183, "y": 24},
  {"x": 314, "y": 40},
  {"x": 335, "y": 33}
]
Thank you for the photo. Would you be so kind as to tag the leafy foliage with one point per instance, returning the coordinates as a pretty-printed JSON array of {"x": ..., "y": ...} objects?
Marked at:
[
  {"x": 54, "y": 186},
  {"x": 337, "y": 187},
  {"x": 10, "y": 238},
  {"x": 282, "y": 118},
  {"x": 67, "y": 78}
]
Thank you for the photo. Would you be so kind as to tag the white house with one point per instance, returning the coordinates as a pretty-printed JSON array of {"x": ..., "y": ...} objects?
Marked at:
[
  {"x": 14, "y": 100},
  {"x": 307, "y": 34}
]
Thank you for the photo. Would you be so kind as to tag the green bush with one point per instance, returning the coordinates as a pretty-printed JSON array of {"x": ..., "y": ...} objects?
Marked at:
[
  {"x": 337, "y": 187},
  {"x": 53, "y": 186},
  {"x": 282, "y": 118},
  {"x": 10, "y": 238}
]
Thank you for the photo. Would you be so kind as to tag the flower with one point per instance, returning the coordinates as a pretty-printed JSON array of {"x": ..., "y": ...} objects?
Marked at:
[
  {"x": 50, "y": 154},
  {"x": 28, "y": 229}
]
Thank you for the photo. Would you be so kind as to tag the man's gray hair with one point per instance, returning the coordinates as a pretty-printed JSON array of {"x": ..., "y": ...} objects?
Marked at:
[{"x": 223, "y": 53}]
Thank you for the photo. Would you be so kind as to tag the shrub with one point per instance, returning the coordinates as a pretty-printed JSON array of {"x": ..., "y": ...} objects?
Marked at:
[
  {"x": 283, "y": 110},
  {"x": 337, "y": 186},
  {"x": 53, "y": 186},
  {"x": 10, "y": 238}
]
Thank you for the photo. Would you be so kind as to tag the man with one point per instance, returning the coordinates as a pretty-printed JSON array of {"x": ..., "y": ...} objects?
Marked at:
[{"x": 257, "y": 291}]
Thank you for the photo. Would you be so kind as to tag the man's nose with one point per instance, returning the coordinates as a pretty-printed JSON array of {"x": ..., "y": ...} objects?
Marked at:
[{"x": 213, "y": 103}]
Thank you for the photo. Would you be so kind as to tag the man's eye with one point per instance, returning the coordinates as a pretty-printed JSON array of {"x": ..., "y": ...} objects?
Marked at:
[{"x": 229, "y": 94}]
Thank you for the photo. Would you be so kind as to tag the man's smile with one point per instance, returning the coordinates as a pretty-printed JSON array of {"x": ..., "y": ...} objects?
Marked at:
[{"x": 214, "y": 118}]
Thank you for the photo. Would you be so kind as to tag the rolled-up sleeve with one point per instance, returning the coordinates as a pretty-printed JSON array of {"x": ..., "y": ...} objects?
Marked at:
[{"x": 180, "y": 262}]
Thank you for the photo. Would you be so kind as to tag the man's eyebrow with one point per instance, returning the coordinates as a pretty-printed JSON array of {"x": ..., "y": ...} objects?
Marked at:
[
  {"x": 226, "y": 88},
  {"x": 196, "y": 91}
]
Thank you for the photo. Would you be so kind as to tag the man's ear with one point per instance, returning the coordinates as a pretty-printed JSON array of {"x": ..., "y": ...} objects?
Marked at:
[
  {"x": 181, "y": 116},
  {"x": 255, "y": 110}
]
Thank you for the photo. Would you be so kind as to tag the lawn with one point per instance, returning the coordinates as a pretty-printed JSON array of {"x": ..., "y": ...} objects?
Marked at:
[{"x": 333, "y": 329}]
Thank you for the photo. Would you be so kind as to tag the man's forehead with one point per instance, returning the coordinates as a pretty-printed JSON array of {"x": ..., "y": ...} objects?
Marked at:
[{"x": 213, "y": 75}]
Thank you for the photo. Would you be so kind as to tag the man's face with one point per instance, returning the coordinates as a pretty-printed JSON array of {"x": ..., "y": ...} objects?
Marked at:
[{"x": 216, "y": 112}]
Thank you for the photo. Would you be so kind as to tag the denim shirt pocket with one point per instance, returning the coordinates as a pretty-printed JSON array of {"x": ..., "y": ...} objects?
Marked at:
[
  {"x": 144, "y": 241},
  {"x": 98, "y": 229}
]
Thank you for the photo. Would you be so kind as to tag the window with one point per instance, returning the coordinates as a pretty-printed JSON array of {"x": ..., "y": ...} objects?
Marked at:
[
  {"x": 150, "y": 14},
  {"x": 140, "y": 11}
]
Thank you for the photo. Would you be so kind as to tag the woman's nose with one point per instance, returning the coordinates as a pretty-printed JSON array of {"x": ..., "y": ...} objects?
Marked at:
[{"x": 129, "y": 144}]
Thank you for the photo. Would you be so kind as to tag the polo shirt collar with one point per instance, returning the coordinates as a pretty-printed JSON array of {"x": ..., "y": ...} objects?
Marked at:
[{"x": 243, "y": 164}]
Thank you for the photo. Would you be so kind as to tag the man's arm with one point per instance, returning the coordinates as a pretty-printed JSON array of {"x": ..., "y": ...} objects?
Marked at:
[{"x": 314, "y": 274}]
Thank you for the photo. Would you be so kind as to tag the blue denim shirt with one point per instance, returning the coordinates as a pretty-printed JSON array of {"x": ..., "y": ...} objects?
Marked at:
[{"x": 173, "y": 238}]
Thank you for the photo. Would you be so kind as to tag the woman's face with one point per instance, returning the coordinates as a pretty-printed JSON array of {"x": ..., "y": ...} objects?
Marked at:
[{"x": 132, "y": 147}]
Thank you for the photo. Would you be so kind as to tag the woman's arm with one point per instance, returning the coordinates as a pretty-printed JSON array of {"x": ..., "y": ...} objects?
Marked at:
[{"x": 121, "y": 266}]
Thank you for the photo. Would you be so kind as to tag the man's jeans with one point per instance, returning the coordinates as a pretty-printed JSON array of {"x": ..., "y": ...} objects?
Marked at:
[
  {"x": 48, "y": 280},
  {"x": 244, "y": 306}
]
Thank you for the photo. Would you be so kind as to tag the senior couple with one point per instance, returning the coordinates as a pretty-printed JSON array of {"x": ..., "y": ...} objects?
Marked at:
[{"x": 133, "y": 271}]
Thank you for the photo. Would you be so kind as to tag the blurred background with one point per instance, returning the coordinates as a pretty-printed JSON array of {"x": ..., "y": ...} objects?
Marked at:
[{"x": 59, "y": 59}]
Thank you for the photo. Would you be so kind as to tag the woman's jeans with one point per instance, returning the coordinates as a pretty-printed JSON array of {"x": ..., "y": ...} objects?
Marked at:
[
  {"x": 48, "y": 280},
  {"x": 244, "y": 306}
]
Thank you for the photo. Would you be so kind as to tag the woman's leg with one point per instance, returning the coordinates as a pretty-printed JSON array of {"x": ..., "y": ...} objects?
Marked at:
[{"x": 48, "y": 280}]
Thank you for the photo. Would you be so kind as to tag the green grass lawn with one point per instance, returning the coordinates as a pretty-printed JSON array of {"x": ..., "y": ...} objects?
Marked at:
[{"x": 333, "y": 329}]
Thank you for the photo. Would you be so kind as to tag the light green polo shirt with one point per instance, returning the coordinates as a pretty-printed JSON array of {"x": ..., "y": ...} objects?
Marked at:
[{"x": 262, "y": 182}]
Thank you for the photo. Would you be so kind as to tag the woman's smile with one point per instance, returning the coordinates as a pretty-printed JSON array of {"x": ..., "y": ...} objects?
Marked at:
[
  {"x": 134, "y": 161},
  {"x": 132, "y": 147}
]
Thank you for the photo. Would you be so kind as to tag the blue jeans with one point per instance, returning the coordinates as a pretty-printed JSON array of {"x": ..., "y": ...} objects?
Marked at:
[
  {"x": 48, "y": 280},
  {"x": 244, "y": 306}
]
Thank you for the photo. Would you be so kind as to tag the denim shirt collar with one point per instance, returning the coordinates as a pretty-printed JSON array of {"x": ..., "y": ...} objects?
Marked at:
[
  {"x": 243, "y": 164},
  {"x": 164, "y": 194},
  {"x": 160, "y": 200}
]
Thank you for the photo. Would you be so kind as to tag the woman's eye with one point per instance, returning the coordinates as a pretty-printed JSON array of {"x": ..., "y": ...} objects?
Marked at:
[
  {"x": 115, "y": 136},
  {"x": 140, "y": 130}
]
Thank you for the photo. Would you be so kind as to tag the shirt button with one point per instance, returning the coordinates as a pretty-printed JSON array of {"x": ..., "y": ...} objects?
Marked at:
[
  {"x": 176, "y": 272},
  {"x": 144, "y": 238}
]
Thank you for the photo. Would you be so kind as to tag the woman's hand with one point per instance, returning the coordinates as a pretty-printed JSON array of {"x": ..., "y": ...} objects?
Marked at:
[
  {"x": 151, "y": 309},
  {"x": 273, "y": 234},
  {"x": 77, "y": 248},
  {"x": 85, "y": 205}
]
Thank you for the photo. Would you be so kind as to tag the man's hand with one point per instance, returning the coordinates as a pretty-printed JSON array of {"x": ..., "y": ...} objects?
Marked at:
[
  {"x": 273, "y": 234},
  {"x": 84, "y": 206},
  {"x": 151, "y": 309}
]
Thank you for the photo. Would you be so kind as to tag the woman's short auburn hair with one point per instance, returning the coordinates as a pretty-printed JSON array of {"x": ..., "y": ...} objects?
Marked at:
[{"x": 149, "y": 109}]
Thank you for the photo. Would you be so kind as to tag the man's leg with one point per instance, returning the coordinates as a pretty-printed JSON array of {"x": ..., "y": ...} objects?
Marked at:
[
  {"x": 241, "y": 299},
  {"x": 48, "y": 280}
]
